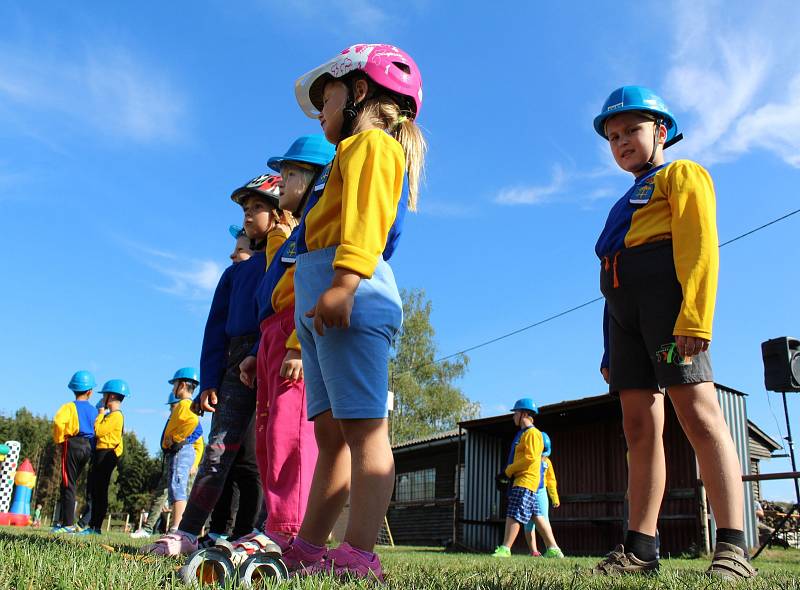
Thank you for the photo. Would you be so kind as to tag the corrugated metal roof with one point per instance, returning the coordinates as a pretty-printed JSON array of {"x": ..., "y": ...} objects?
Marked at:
[
  {"x": 766, "y": 439},
  {"x": 427, "y": 439}
]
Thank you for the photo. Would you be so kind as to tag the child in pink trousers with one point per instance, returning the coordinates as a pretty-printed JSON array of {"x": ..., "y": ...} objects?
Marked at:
[{"x": 286, "y": 449}]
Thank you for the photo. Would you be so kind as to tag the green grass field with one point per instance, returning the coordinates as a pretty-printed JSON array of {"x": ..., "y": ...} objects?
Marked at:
[{"x": 32, "y": 560}]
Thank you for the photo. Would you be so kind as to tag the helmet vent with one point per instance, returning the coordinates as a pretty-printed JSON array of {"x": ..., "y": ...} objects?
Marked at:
[{"x": 402, "y": 66}]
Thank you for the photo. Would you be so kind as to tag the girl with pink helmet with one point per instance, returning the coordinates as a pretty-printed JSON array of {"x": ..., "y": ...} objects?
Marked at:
[{"x": 348, "y": 308}]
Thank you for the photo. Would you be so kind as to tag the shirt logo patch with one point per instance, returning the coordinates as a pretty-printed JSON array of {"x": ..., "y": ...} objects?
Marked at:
[
  {"x": 290, "y": 255},
  {"x": 642, "y": 193}
]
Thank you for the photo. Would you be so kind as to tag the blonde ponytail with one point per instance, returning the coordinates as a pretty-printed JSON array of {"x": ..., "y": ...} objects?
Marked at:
[{"x": 384, "y": 113}]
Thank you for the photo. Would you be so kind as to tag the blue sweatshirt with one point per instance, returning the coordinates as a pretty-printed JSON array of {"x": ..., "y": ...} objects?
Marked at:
[{"x": 233, "y": 313}]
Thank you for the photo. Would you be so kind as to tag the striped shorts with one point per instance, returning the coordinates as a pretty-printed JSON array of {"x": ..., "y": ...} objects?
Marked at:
[{"x": 522, "y": 504}]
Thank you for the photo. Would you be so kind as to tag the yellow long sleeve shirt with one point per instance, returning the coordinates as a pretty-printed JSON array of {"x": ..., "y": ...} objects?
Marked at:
[
  {"x": 550, "y": 481},
  {"x": 527, "y": 460},
  {"x": 182, "y": 422},
  {"x": 108, "y": 432},
  {"x": 360, "y": 201},
  {"x": 679, "y": 204}
]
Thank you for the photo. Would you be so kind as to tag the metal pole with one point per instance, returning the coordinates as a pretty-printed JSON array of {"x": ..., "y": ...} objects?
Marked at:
[{"x": 790, "y": 442}]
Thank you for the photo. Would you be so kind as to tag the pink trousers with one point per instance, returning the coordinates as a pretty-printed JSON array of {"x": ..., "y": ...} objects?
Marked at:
[{"x": 286, "y": 449}]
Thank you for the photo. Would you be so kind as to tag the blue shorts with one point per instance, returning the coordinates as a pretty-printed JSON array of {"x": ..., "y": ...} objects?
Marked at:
[
  {"x": 180, "y": 464},
  {"x": 521, "y": 504},
  {"x": 347, "y": 370},
  {"x": 542, "y": 508}
]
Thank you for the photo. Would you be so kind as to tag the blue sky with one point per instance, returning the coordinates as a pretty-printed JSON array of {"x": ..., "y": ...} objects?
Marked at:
[{"x": 124, "y": 128}]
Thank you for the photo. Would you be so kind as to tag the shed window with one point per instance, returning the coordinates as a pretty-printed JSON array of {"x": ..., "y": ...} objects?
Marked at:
[{"x": 415, "y": 485}]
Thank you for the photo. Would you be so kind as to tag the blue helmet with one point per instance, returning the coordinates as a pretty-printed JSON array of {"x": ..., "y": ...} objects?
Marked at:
[
  {"x": 99, "y": 404},
  {"x": 81, "y": 381},
  {"x": 525, "y": 403},
  {"x": 118, "y": 386},
  {"x": 308, "y": 149},
  {"x": 236, "y": 231},
  {"x": 637, "y": 98},
  {"x": 548, "y": 445},
  {"x": 186, "y": 374},
  {"x": 172, "y": 399}
]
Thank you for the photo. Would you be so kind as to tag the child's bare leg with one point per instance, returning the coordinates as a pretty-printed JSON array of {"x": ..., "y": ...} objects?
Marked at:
[
  {"x": 330, "y": 485},
  {"x": 643, "y": 422},
  {"x": 701, "y": 417},
  {"x": 546, "y": 531},
  {"x": 512, "y": 530},
  {"x": 372, "y": 469},
  {"x": 530, "y": 537},
  {"x": 177, "y": 513}
]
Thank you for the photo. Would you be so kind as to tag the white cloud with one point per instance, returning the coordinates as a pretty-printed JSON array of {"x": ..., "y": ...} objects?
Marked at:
[
  {"x": 189, "y": 278},
  {"x": 533, "y": 195},
  {"x": 106, "y": 89},
  {"x": 735, "y": 74}
]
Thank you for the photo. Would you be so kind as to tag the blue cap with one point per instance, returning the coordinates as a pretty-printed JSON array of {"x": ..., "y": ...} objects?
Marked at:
[
  {"x": 636, "y": 98},
  {"x": 525, "y": 403},
  {"x": 236, "y": 231},
  {"x": 81, "y": 381},
  {"x": 172, "y": 399},
  {"x": 548, "y": 445},
  {"x": 308, "y": 149},
  {"x": 118, "y": 386},
  {"x": 186, "y": 374}
]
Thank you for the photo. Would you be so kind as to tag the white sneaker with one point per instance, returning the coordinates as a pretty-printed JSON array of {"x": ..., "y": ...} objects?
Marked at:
[{"x": 140, "y": 534}]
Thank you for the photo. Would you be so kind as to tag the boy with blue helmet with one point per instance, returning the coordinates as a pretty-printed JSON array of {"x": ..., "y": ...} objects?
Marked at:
[
  {"x": 547, "y": 493},
  {"x": 524, "y": 469},
  {"x": 73, "y": 431},
  {"x": 659, "y": 265},
  {"x": 108, "y": 429}
]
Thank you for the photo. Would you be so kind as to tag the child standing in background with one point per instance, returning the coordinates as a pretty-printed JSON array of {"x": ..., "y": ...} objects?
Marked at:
[
  {"x": 285, "y": 443},
  {"x": 524, "y": 468},
  {"x": 108, "y": 429},
  {"x": 348, "y": 308},
  {"x": 181, "y": 433},
  {"x": 73, "y": 430},
  {"x": 547, "y": 487}
]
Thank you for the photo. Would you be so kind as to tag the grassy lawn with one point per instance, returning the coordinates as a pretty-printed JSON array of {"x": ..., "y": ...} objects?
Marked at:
[{"x": 37, "y": 560}]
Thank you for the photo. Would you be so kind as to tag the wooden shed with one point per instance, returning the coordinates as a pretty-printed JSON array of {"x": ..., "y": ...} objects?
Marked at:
[{"x": 589, "y": 458}]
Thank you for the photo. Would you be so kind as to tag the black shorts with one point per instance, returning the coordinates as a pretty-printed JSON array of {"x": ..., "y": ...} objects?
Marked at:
[{"x": 643, "y": 307}]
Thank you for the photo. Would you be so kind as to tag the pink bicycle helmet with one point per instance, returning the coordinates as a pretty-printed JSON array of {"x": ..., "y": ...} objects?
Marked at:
[{"x": 386, "y": 65}]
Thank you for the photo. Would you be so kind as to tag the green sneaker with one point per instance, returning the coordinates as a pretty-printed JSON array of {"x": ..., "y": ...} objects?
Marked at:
[
  {"x": 554, "y": 553},
  {"x": 502, "y": 551}
]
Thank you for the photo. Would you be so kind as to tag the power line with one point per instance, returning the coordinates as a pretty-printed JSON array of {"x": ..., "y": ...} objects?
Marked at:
[{"x": 577, "y": 307}]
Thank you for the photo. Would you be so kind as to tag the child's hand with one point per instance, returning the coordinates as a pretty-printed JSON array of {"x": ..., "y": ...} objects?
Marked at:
[
  {"x": 286, "y": 222},
  {"x": 556, "y": 504},
  {"x": 208, "y": 399},
  {"x": 604, "y": 372},
  {"x": 688, "y": 346},
  {"x": 193, "y": 470},
  {"x": 334, "y": 306},
  {"x": 247, "y": 371},
  {"x": 292, "y": 366}
]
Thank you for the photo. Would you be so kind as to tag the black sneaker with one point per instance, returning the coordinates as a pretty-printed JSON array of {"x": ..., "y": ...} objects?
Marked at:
[
  {"x": 620, "y": 563},
  {"x": 729, "y": 563}
]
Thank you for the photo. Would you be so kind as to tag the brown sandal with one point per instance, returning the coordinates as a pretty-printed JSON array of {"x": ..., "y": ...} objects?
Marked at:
[
  {"x": 618, "y": 563},
  {"x": 729, "y": 563}
]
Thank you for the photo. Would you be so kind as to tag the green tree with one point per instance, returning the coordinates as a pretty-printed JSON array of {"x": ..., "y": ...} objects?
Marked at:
[
  {"x": 426, "y": 400},
  {"x": 135, "y": 473}
]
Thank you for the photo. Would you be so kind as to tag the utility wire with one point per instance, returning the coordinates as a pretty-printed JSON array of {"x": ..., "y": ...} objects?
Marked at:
[{"x": 577, "y": 307}]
